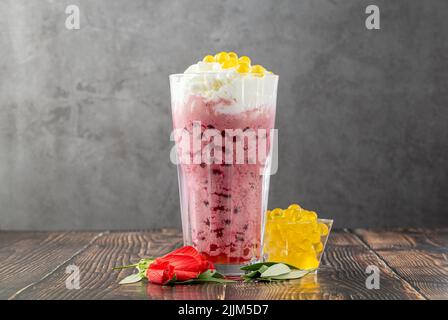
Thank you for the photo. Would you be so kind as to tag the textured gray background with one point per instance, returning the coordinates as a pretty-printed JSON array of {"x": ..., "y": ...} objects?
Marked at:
[{"x": 85, "y": 115}]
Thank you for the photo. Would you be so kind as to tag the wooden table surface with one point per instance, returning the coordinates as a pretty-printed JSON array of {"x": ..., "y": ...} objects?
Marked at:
[{"x": 413, "y": 264}]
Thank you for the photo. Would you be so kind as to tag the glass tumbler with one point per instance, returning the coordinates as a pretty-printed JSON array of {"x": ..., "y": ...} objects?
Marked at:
[{"x": 224, "y": 134}]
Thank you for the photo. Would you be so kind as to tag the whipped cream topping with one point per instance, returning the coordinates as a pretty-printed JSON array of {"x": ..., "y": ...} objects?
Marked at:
[{"x": 213, "y": 83}]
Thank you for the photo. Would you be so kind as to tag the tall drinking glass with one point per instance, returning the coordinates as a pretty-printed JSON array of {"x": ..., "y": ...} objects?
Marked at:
[{"x": 223, "y": 133}]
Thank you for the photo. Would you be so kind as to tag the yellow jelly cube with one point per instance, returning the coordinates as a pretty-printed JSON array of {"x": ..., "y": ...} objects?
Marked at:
[
  {"x": 319, "y": 247},
  {"x": 221, "y": 57},
  {"x": 307, "y": 261},
  {"x": 304, "y": 245},
  {"x": 290, "y": 214},
  {"x": 309, "y": 215},
  {"x": 295, "y": 236},
  {"x": 294, "y": 259},
  {"x": 295, "y": 206},
  {"x": 276, "y": 213},
  {"x": 315, "y": 237},
  {"x": 208, "y": 58},
  {"x": 323, "y": 229},
  {"x": 245, "y": 59}
]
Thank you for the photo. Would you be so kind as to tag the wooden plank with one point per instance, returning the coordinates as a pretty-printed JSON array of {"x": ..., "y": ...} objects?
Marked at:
[
  {"x": 342, "y": 275},
  {"x": 27, "y": 257},
  {"x": 97, "y": 280},
  {"x": 420, "y": 257}
]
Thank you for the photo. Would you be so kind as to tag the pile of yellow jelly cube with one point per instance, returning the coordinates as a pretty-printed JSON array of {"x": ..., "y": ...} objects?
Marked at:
[
  {"x": 295, "y": 236},
  {"x": 241, "y": 64}
]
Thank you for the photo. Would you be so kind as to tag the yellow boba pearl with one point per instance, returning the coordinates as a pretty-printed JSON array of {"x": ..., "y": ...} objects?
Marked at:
[
  {"x": 257, "y": 70},
  {"x": 230, "y": 63},
  {"x": 208, "y": 58},
  {"x": 233, "y": 55},
  {"x": 243, "y": 68},
  {"x": 221, "y": 57},
  {"x": 245, "y": 59},
  {"x": 323, "y": 228}
]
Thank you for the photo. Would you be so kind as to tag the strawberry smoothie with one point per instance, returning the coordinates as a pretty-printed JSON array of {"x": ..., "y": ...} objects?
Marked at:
[{"x": 223, "y": 200}]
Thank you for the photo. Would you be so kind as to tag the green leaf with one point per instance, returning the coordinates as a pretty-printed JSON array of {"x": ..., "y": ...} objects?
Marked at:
[
  {"x": 256, "y": 266},
  {"x": 252, "y": 274},
  {"x": 133, "y": 278},
  {"x": 172, "y": 281},
  {"x": 207, "y": 274},
  {"x": 294, "y": 274},
  {"x": 142, "y": 264},
  {"x": 125, "y": 267},
  {"x": 218, "y": 275},
  {"x": 211, "y": 274},
  {"x": 275, "y": 270},
  {"x": 263, "y": 269}
]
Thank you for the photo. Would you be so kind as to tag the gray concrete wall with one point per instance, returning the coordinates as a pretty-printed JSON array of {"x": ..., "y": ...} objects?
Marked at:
[{"x": 85, "y": 115}]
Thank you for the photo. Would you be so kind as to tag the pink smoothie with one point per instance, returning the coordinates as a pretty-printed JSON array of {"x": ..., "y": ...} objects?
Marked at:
[{"x": 223, "y": 201}]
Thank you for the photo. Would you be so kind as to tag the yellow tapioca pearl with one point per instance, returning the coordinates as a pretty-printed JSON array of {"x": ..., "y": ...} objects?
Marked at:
[
  {"x": 257, "y": 70},
  {"x": 245, "y": 59},
  {"x": 230, "y": 63},
  {"x": 233, "y": 55},
  {"x": 208, "y": 58},
  {"x": 323, "y": 228},
  {"x": 221, "y": 57},
  {"x": 243, "y": 68}
]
